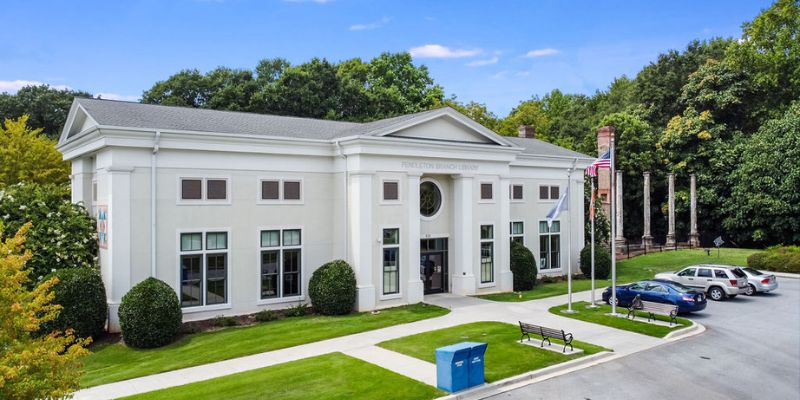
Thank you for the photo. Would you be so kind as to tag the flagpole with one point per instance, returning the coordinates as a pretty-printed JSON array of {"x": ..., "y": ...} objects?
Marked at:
[
  {"x": 591, "y": 213},
  {"x": 569, "y": 243},
  {"x": 613, "y": 234}
]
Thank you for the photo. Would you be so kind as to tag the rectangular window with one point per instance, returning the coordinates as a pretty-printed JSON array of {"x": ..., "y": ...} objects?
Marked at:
[
  {"x": 391, "y": 191},
  {"x": 216, "y": 189},
  {"x": 291, "y": 190},
  {"x": 270, "y": 190},
  {"x": 553, "y": 192},
  {"x": 549, "y": 245},
  {"x": 548, "y": 192},
  {"x": 486, "y": 191},
  {"x": 487, "y": 253},
  {"x": 517, "y": 232},
  {"x": 281, "y": 263},
  {"x": 204, "y": 269},
  {"x": 191, "y": 189},
  {"x": 516, "y": 192},
  {"x": 391, "y": 261}
]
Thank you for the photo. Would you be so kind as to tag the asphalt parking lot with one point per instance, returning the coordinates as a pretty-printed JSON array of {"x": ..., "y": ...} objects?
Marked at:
[{"x": 750, "y": 350}]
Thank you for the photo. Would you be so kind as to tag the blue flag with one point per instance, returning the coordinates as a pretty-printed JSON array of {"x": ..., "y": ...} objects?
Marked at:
[{"x": 562, "y": 205}]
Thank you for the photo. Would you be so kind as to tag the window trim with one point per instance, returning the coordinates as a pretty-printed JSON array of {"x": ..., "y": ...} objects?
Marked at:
[
  {"x": 493, "y": 241},
  {"x": 399, "y": 247},
  {"x": 441, "y": 204},
  {"x": 383, "y": 200},
  {"x": 512, "y": 235},
  {"x": 280, "y": 199},
  {"x": 303, "y": 271},
  {"x": 203, "y": 190},
  {"x": 481, "y": 200},
  {"x": 511, "y": 193},
  {"x": 228, "y": 269},
  {"x": 560, "y": 247},
  {"x": 548, "y": 200}
]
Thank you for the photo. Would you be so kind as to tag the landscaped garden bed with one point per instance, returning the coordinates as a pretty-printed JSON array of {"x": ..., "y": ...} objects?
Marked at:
[
  {"x": 600, "y": 316},
  {"x": 330, "y": 376},
  {"x": 504, "y": 357},
  {"x": 116, "y": 362}
]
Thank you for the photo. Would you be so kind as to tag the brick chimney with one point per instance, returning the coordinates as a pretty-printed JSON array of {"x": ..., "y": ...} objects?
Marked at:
[{"x": 526, "y": 131}]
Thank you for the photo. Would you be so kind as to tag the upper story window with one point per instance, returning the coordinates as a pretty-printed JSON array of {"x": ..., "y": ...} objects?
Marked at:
[
  {"x": 547, "y": 192},
  {"x": 275, "y": 190},
  {"x": 391, "y": 191},
  {"x": 487, "y": 192},
  {"x": 204, "y": 189},
  {"x": 516, "y": 192}
]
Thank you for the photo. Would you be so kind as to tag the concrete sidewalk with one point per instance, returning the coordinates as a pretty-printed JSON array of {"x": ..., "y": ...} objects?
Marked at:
[{"x": 362, "y": 345}]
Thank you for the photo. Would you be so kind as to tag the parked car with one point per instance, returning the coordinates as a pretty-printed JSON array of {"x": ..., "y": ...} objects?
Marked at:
[
  {"x": 759, "y": 282},
  {"x": 719, "y": 281},
  {"x": 659, "y": 291}
]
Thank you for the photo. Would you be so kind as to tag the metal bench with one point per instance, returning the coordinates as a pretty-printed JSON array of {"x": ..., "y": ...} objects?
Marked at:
[
  {"x": 546, "y": 334},
  {"x": 653, "y": 308}
]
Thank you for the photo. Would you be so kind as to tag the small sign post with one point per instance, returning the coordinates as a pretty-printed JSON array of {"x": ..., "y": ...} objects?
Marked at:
[{"x": 718, "y": 242}]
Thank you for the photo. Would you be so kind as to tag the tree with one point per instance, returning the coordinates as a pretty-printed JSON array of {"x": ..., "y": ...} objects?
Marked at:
[
  {"x": 764, "y": 205},
  {"x": 530, "y": 112},
  {"x": 47, "y": 107},
  {"x": 63, "y": 234},
  {"x": 723, "y": 91},
  {"x": 475, "y": 111},
  {"x": 32, "y": 366},
  {"x": 187, "y": 88},
  {"x": 27, "y": 156}
]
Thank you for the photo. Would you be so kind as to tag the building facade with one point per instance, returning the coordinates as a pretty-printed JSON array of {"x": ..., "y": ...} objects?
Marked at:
[{"x": 236, "y": 210}]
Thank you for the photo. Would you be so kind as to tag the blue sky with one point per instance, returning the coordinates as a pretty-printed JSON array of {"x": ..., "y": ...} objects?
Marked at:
[{"x": 494, "y": 52}]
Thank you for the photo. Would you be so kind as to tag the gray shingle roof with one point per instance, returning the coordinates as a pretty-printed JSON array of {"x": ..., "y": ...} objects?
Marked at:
[{"x": 536, "y": 147}]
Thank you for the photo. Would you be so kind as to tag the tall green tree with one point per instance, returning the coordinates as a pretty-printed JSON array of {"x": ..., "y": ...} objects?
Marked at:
[
  {"x": 46, "y": 107},
  {"x": 28, "y": 156}
]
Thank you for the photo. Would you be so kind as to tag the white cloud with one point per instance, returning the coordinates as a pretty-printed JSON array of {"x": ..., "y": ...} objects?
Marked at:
[
  {"x": 114, "y": 96},
  {"x": 542, "y": 52},
  {"x": 439, "y": 51},
  {"x": 13, "y": 86},
  {"x": 370, "y": 26},
  {"x": 481, "y": 63}
]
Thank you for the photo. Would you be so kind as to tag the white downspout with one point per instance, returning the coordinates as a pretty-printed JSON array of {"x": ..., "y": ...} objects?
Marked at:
[
  {"x": 346, "y": 173},
  {"x": 153, "y": 202}
]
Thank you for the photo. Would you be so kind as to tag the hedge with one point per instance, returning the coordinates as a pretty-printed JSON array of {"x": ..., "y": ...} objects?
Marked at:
[
  {"x": 602, "y": 261},
  {"x": 332, "y": 288},
  {"x": 150, "y": 314},
  {"x": 82, "y": 296},
  {"x": 523, "y": 266},
  {"x": 777, "y": 259}
]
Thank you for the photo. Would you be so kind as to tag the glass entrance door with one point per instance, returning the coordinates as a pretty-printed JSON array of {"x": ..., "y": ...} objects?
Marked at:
[{"x": 433, "y": 265}]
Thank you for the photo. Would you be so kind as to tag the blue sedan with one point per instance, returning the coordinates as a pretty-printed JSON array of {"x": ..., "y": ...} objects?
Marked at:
[{"x": 659, "y": 291}]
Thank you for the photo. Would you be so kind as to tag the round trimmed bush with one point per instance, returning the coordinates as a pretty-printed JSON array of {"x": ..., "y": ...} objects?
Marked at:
[
  {"x": 150, "y": 314},
  {"x": 82, "y": 296},
  {"x": 602, "y": 261},
  {"x": 523, "y": 266},
  {"x": 333, "y": 288}
]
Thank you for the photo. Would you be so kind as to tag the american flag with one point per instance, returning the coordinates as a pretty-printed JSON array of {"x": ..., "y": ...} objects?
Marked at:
[{"x": 603, "y": 162}]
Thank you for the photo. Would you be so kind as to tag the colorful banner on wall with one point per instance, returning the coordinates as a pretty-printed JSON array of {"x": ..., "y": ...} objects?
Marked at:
[{"x": 102, "y": 226}]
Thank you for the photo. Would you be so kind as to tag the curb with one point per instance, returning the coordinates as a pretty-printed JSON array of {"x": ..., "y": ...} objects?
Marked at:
[
  {"x": 504, "y": 385},
  {"x": 695, "y": 329}
]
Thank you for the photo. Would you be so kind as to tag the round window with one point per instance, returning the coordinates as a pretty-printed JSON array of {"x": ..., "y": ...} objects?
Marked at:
[{"x": 430, "y": 199}]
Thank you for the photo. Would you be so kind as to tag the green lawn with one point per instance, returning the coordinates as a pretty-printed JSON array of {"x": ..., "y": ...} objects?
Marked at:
[
  {"x": 330, "y": 376},
  {"x": 118, "y": 362},
  {"x": 631, "y": 270},
  {"x": 505, "y": 356},
  {"x": 598, "y": 316}
]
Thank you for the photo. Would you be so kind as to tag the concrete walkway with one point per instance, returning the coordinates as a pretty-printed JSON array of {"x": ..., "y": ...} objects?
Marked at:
[{"x": 362, "y": 345}]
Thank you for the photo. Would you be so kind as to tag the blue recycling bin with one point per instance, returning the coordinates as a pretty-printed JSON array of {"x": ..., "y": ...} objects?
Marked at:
[
  {"x": 476, "y": 363},
  {"x": 452, "y": 367}
]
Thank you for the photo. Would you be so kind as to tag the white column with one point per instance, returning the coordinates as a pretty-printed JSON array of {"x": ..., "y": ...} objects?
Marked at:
[
  {"x": 647, "y": 238},
  {"x": 118, "y": 270},
  {"x": 463, "y": 236},
  {"x": 411, "y": 238},
  {"x": 671, "y": 214},
  {"x": 361, "y": 237},
  {"x": 620, "y": 237},
  {"x": 694, "y": 237},
  {"x": 505, "y": 278}
]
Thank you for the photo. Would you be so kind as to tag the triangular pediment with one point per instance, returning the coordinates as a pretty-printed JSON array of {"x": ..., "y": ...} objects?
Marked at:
[
  {"x": 78, "y": 120},
  {"x": 445, "y": 125}
]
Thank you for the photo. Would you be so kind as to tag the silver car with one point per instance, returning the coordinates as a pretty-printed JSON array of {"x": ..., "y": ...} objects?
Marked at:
[
  {"x": 759, "y": 282},
  {"x": 719, "y": 281}
]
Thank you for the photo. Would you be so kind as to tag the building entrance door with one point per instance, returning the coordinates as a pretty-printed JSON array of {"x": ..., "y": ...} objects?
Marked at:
[{"x": 433, "y": 265}]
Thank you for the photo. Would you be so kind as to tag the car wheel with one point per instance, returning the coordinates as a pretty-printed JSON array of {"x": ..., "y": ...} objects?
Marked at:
[
  {"x": 751, "y": 290},
  {"x": 716, "y": 294}
]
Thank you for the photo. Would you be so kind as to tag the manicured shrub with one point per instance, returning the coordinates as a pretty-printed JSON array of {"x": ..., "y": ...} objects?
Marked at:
[
  {"x": 523, "y": 266},
  {"x": 602, "y": 261},
  {"x": 223, "y": 321},
  {"x": 266, "y": 316},
  {"x": 150, "y": 314},
  {"x": 297, "y": 310},
  {"x": 333, "y": 288},
  {"x": 82, "y": 296},
  {"x": 777, "y": 259},
  {"x": 63, "y": 234}
]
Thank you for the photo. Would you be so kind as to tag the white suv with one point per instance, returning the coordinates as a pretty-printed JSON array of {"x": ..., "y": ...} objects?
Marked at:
[{"x": 719, "y": 281}]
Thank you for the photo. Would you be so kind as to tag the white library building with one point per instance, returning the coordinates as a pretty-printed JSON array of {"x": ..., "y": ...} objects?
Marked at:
[{"x": 236, "y": 210}]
